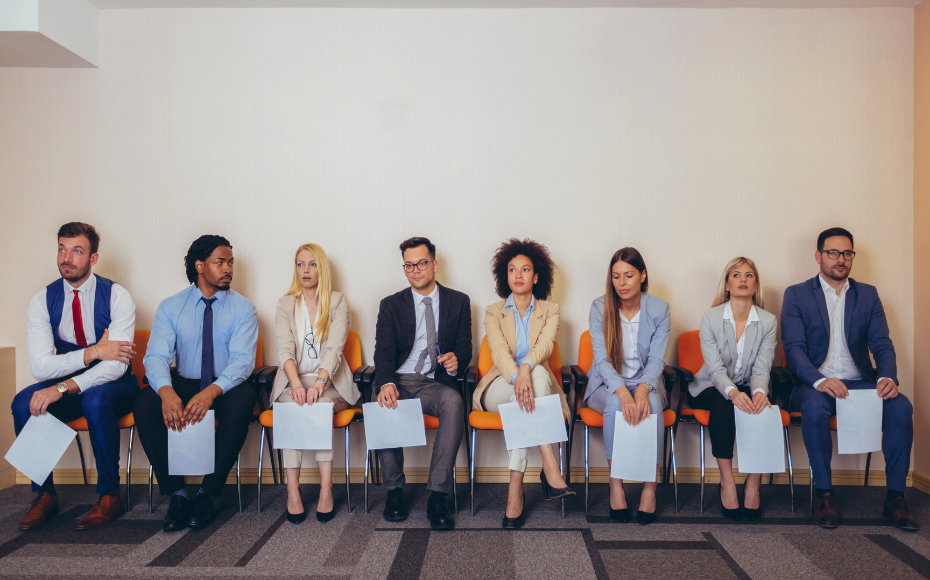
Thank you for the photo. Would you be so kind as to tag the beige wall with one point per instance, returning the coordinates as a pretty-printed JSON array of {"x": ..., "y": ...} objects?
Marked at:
[
  {"x": 694, "y": 135},
  {"x": 921, "y": 238}
]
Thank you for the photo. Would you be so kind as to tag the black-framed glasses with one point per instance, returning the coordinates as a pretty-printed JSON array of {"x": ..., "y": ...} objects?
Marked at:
[
  {"x": 421, "y": 265},
  {"x": 311, "y": 350},
  {"x": 834, "y": 254}
]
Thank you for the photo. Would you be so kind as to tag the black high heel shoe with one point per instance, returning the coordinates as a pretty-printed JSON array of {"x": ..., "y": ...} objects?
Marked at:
[
  {"x": 517, "y": 522},
  {"x": 621, "y": 515},
  {"x": 295, "y": 518},
  {"x": 734, "y": 514},
  {"x": 550, "y": 492},
  {"x": 749, "y": 513},
  {"x": 645, "y": 517}
]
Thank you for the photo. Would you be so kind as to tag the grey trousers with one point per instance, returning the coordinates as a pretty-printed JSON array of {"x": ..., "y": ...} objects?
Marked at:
[{"x": 439, "y": 401}]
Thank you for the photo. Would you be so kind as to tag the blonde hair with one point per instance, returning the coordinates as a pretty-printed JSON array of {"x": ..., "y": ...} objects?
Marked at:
[
  {"x": 723, "y": 295},
  {"x": 324, "y": 289}
]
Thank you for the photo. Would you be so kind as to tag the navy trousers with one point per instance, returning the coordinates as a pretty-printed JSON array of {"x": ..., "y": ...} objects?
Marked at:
[
  {"x": 897, "y": 426},
  {"x": 102, "y": 406}
]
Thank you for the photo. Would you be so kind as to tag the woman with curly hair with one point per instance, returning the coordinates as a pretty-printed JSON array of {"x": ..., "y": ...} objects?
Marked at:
[
  {"x": 521, "y": 331},
  {"x": 629, "y": 333}
]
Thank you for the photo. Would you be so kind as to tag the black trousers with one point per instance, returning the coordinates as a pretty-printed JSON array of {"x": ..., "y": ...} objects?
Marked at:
[
  {"x": 722, "y": 424},
  {"x": 233, "y": 413}
]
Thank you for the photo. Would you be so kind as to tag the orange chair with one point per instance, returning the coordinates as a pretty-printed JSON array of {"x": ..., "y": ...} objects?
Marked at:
[
  {"x": 486, "y": 421},
  {"x": 352, "y": 351},
  {"x": 127, "y": 421},
  {"x": 690, "y": 361},
  {"x": 591, "y": 418}
]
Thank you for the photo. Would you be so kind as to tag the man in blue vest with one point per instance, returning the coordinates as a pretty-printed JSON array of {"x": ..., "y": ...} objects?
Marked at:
[{"x": 79, "y": 333}]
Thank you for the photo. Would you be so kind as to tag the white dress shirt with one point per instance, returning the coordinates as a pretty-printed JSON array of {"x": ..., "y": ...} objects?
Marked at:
[
  {"x": 419, "y": 342},
  {"x": 630, "y": 345},
  {"x": 45, "y": 365},
  {"x": 309, "y": 358},
  {"x": 740, "y": 344}
]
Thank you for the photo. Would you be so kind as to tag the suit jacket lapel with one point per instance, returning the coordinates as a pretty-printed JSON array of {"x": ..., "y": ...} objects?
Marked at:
[
  {"x": 729, "y": 331},
  {"x": 536, "y": 324},
  {"x": 508, "y": 327},
  {"x": 851, "y": 296},
  {"x": 301, "y": 332},
  {"x": 410, "y": 317},
  {"x": 444, "y": 308},
  {"x": 646, "y": 330},
  {"x": 749, "y": 347},
  {"x": 821, "y": 303}
]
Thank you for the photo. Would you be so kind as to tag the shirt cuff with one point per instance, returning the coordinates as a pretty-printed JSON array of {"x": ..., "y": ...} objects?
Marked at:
[
  {"x": 527, "y": 361},
  {"x": 513, "y": 378},
  {"x": 386, "y": 384},
  {"x": 880, "y": 379},
  {"x": 223, "y": 383},
  {"x": 818, "y": 382},
  {"x": 728, "y": 389},
  {"x": 76, "y": 359},
  {"x": 758, "y": 390},
  {"x": 82, "y": 381}
]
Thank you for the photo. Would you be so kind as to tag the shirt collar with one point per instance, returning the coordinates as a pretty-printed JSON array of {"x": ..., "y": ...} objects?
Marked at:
[
  {"x": 220, "y": 296},
  {"x": 827, "y": 288},
  {"x": 418, "y": 298},
  {"x": 88, "y": 287},
  {"x": 634, "y": 320},
  {"x": 510, "y": 304},
  {"x": 728, "y": 314}
]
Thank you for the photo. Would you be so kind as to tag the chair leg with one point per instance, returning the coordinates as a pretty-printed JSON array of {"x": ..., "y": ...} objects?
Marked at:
[
  {"x": 771, "y": 478},
  {"x": 239, "y": 484},
  {"x": 132, "y": 431},
  {"x": 261, "y": 454},
  {"x": 367, "y": 466},
  {"x": 812, "y": 490},
  {"x": 562, "y": 469},
  {"x": 376, "y": 468},
  {"x": 568, "y": 452},
  {"x": 348, "y": 487},
  {"x": 471, "y": 471},
  {"x": 281, "y": 466},
  {"x": 868, "y": 460},
  {"x": 790, "y": 468},
  {"x": 455, "y": 495},
  {"x": 81, "y": 453},
  {"x": 274, "y": 464},
  {"x": 702, "y": 468},
  {"x": 671, "y": 433},
  {"x": 664, "y": 459},
  {"x": 151, "y": 471},
  {"x": 587, "y": 469}
]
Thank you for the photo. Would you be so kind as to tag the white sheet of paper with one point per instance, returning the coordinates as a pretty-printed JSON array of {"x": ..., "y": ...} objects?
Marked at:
[
  {"x": 859, "y": 422},
  {"x": 544, "y": 425},
  {"x": 41, "y": 443},
  {"x": 392, "y": 428},
  {"x": 193, "y": 450},
  {"x": 760, "y": 446},
  {"x": 303, "y": 426},
  {"x": 636, "y": 449}
]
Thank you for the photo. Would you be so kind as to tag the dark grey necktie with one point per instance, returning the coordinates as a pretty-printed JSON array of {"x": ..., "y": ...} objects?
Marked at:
[
  {"x": 430, "y": 350},
  {"x": 206, "y": 355}
]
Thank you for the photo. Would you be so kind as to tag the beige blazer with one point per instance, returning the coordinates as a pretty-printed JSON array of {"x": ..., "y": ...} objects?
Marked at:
[
  {"x": 290, "y": 333},
  {"x": 502, "y": 339}
]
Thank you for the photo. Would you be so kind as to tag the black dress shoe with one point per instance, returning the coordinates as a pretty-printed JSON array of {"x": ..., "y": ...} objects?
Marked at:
[
  {"x": 621, "y": 515},
  {"x": 645, "y": 517},
  {"x": 517, "y": 522},
  {"x": 550, "y": 492},
  {"x": 394, "y": 510},
  {"x": 751, "y": 514},
  {"x": 734, "y": 514},
  {"x": 325, "y": 517},
  {"x": 179, "y": 509},
  {"x": 437, "y": 512},
  {"x": 296, "y": 518},
  {"x": 202, "y": 511}
]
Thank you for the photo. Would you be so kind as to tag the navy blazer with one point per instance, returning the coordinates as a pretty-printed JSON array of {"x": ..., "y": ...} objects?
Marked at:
[{"x": 805, "y": 331}]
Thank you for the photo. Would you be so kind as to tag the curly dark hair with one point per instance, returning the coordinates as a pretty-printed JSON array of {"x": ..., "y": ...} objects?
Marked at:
[
  {"x": 542, "y": 266},
  {"x": 200, "y": 250}
]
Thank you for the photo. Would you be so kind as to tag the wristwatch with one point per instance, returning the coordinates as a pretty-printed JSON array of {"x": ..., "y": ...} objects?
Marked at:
[
  {"x": 62, "y": 388},
  {"x": 324, "y": 381}
]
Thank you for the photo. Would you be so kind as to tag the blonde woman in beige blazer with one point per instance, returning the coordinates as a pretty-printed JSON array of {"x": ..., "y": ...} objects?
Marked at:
[
  {"x": 311, "y": 367},
  {"x": 521, "y": 332}
]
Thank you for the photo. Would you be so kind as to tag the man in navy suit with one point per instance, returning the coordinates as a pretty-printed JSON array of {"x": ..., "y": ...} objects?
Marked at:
[{"x": 829, "y": 325}]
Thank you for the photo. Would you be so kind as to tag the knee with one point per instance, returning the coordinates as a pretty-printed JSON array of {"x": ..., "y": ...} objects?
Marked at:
[
  {"x": 611, "y": 405},
  {"x": 452, "y": 405},
  {"x": 94, "y": 403},
  {"x": 542, "y": 382},
  {"x": 815, "y": 409},
  {"x": 20, "y": 405},
  {"x": 147, "y": 403},
  {"x": 899, "y": 409}
]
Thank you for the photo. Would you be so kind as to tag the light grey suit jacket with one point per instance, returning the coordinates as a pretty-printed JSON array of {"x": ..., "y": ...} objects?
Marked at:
[
  {"x": 654, "y": 327},
  {"x": 718, "y": 345}
]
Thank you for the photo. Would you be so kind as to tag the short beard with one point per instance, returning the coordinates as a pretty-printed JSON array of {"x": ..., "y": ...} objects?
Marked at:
[
  {"x": 829, "y": 274},
  {"x": 76, "y": 276}
]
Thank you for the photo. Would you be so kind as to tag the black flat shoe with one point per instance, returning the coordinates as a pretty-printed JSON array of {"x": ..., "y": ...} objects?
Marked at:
[
  {"x": 750, "y": 513},
  {"x": 321, "y": 517},
  {"x": 296, "y": 518},
  {"x": 394, "y": 510},
  {"x": 621, "y": 515},
  {"x": 550, "y": 492},
  {"x": 178, "y": 511},
  {"x": 517, "y": 522},
  {"x": 734, "y": 514},
  {"x": 202, "y": 511},
  {"x": 645, "y": 517}
]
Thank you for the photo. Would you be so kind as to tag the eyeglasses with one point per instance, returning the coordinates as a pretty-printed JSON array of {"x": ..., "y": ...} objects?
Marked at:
[
  {"x": 311, "y": 350},
  {"x": 834, "y": 254},
  {"x": 421, "y": 265}
]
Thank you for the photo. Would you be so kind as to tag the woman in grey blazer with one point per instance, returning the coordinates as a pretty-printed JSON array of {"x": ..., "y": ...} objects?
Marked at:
[
  {"x": 629, "y": 354},
  {"x": 311, "y": 326},
  {"x": 738, "y": 344}
]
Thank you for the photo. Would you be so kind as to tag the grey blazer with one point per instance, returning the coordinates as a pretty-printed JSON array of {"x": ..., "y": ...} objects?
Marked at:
[
  {"x": 718, "y": 345},
  {"x": 654, "y": 327},
  {"x": 290, "y": 333}
]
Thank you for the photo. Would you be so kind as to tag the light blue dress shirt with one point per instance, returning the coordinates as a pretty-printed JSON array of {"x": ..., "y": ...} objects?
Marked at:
[
  {"x": 177, "y": 334},
  {"x": 522, "y": 327},
  {"x": 420, "y": 340}
]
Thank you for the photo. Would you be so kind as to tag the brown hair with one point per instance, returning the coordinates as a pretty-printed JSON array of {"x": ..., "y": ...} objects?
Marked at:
[
  {"x": 613, "y": 339},
  {"x": 416, "y": 242},
  {"x": 75, "y": 229}
]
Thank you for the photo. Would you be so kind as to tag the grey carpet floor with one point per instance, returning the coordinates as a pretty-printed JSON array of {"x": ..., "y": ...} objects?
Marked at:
[{"x": 361, "y": 545}]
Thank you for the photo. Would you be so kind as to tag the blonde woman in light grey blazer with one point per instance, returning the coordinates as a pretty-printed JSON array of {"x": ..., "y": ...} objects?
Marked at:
[
  {"x": 311, "y": 326},
  {"x": 738, "y": 345}
]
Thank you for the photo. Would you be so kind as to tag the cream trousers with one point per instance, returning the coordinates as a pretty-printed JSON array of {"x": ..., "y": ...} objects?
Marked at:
[
  {"x": 500, "y": 391},
  {"x": 293, "y": 458}
]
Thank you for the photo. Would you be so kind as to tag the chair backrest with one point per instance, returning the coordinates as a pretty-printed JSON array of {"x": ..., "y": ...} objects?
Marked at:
[
  {"x": 352, "y": 351},
  {"x": 485, "y": 363},
  {"x": 585, "y": 352},
  {"x": 689, "y": 351},
  {"x": 141, "y": 338}
]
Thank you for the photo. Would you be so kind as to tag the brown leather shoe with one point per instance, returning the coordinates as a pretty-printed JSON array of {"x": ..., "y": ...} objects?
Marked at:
[
  {"x": 896, "y": 511},
  {"x": 107, "y": 508},
  {"x": 825, "y": 514},
  {"x": 44, "y": 507}
]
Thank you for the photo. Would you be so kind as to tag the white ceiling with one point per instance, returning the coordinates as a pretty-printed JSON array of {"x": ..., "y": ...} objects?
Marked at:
[{"x": 108, "y": 4}]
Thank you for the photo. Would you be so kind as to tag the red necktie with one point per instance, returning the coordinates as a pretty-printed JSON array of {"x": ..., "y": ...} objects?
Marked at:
[{"x": 78, "y": 320}]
